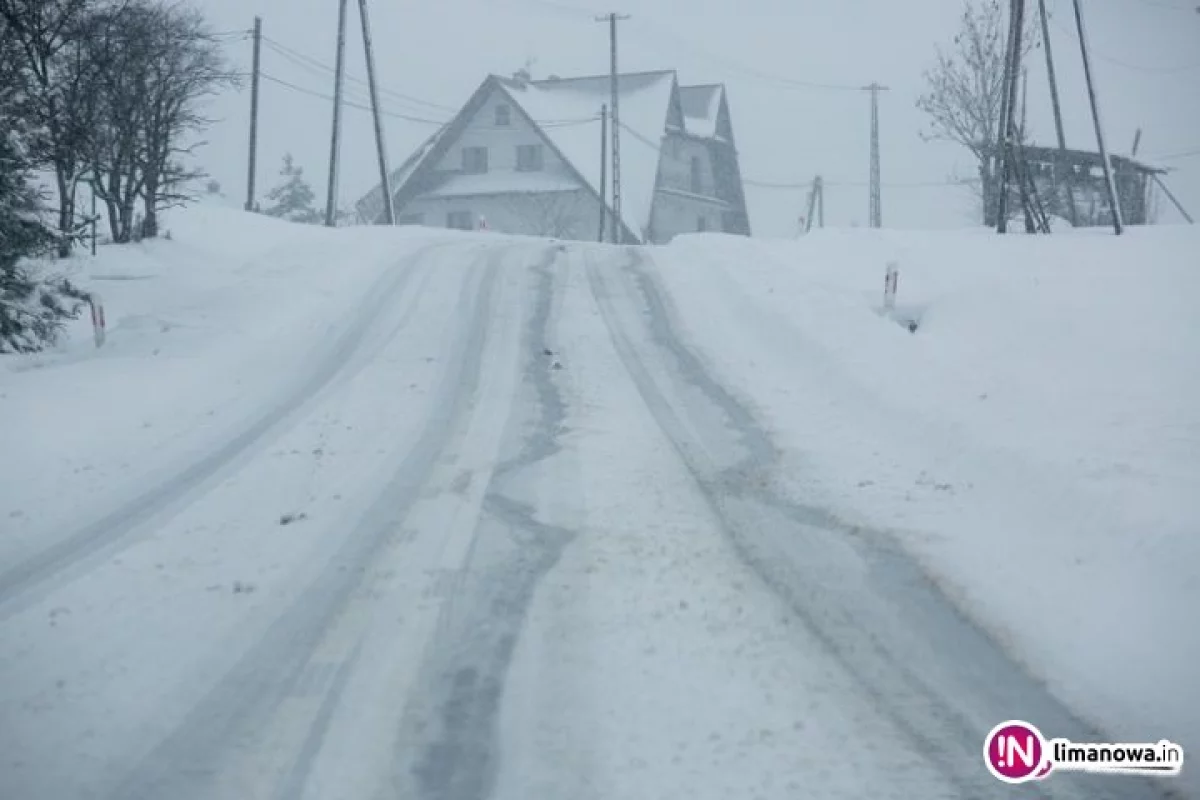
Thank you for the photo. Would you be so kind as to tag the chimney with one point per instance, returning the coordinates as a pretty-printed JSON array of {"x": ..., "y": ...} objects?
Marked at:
[{"x": 521, "y": 77}]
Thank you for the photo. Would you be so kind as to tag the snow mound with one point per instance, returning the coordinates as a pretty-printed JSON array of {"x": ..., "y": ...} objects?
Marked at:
[{"x": 1035, "y": 443}]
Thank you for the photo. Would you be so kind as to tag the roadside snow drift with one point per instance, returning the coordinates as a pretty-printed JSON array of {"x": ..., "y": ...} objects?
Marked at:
[
  {"x": 1035, "y": 442},
  {"x": 203, "y": 331}
]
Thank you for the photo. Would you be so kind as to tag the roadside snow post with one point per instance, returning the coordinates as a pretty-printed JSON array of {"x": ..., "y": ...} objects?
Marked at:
[
  {"x": 97, "y": 318},
  {"x": 890, "y": 281}
]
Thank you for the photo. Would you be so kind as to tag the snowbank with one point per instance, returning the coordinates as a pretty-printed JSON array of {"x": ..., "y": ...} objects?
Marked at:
[
  {"x": 203, "y": 331},
  {"x": 1035, "y": 443}
]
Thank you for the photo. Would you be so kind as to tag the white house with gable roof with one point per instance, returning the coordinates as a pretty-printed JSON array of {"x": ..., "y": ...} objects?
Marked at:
[{"x": 524, "y": 157}]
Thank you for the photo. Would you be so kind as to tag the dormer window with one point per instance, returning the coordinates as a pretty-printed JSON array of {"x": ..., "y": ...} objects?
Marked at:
[{"x": 503, "y": 116}]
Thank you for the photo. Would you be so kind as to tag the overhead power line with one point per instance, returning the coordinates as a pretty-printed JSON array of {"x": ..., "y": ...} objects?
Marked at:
[
  {"x": 649, "y": 27},
  {"x": 303, "y": 59},
  {"x": 548, "y": 123},
  {"x": 781, "y": 81},
  {"x": 806, "y": 185},
  {"x": 1062, "y": 27},
  {"x": 350, "y": 103}
]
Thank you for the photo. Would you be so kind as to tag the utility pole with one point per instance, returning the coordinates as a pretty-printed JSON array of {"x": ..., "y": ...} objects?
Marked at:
[
  {"x": 820, "y": 201},
  {"x": 875, "y": 211},
  {"x": 603, "y": 171},
  {"x": 334, "y": 147},
  {"x": 615, "y": 115},
  {"x": 816, "y": 204},
  {"x": 1012, "y": 68},
  {"x": 999, "y": 162},
  {"x": 1024, "y": 103},
  {"x": 385, "y": 182},
  {"x": 1065, "y": 181},
  {"x": 252, "y": 169},
  {"x": 1118, "y": 223},
  {"x": 1058, "y": 121}
]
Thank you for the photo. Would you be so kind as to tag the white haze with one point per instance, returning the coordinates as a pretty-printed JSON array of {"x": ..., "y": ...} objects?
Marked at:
[{"x": 1146, "y": 62}]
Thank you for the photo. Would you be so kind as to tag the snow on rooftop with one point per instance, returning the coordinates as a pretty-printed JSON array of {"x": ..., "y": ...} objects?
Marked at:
[
  {"x": 564, "y": 107},
  {"x": 701, "y": 107}
]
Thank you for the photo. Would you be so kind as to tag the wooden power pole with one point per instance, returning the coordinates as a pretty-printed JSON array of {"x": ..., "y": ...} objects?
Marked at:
[
  {"x": 1118, "y": 223},
  {"x": 875, "y": 210},
  {"x": 603, "y": 171},
  {"x": 614, "y": 112},
  {"x": 335, "y": 143},
  {"x": 1065, "y": 181},
  {"x": 1008, "y": 127},
  {"x": 252, "y": 167},
  {"x": 385, "y": 182}
]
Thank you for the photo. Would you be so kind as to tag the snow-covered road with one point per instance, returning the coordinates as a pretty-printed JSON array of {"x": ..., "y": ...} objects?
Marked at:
[{"x": 537, "y": 547}]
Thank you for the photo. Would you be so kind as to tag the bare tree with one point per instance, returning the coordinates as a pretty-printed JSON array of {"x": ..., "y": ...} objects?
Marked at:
[
  {"x": 155, "y": 64},
  {"x": 555, "y": 214},
  {"x": 120, "y": 52},
  {"x": 185, "y": 67},
  {"x": 55, "y": 79},
  {"x": 965, "y": 91}
]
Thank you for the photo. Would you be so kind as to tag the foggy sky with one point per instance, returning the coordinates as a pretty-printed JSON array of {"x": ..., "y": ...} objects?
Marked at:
[{"x": 1146, "y": 60}]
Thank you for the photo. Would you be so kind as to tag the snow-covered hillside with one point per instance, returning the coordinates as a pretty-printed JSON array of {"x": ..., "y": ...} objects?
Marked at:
[
  {"x": 203, "y": 331},
  {"x": 1036, "y": 443},
  {"x": 442, "y": 514}
]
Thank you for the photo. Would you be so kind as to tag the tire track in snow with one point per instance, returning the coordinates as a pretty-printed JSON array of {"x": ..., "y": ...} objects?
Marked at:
[
  {"x": 192, "y": 762},
  {"x": 25, "y": 583},
  {"x": 451, "y": 727},
  {"x": 731, "y": 458}
]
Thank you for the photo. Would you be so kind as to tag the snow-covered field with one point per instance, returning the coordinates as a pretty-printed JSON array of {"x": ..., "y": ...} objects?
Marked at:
[{"x": 574, "y": 521}]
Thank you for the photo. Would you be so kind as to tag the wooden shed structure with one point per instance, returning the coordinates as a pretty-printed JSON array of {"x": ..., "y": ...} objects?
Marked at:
[{"x": 1070, "y": 185}]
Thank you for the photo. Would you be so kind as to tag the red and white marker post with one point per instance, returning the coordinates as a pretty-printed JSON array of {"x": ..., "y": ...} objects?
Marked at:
[
  {"x": 97, "y": 318},
  {"x": 890, "y": 283}
]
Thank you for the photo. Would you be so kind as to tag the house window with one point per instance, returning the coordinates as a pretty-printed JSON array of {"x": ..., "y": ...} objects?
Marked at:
[
  {"x": 701, "y": 223},
  {"x": 410, "y": 219},
  {"x": 460, "y": 220},
  {"x": 474, "y": 160},
  {"x": 529, "y": 158},
  {"x": 503, "y": 116},
  {"x": 697, "y": 176}
]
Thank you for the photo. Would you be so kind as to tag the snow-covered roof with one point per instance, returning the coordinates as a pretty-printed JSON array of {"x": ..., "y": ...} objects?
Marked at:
[
  {"x": 559, "y": 105},
  {"x": 701, "y": 109},
  {"x": 566, "y": 111}
]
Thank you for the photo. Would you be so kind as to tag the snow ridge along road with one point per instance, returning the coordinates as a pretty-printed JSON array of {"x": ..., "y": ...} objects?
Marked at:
[
  {"x": 75, "y": 551},
  {"x": 938, "y": 680}
]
